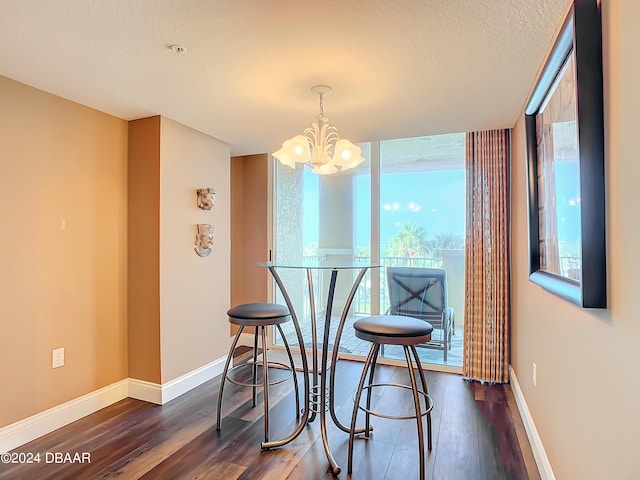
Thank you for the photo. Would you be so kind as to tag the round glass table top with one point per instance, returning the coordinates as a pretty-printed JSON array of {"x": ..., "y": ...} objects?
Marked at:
[{"x": 321, "y": 265}]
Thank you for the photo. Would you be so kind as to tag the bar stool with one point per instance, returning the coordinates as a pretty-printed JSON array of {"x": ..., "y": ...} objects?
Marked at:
[
  {"x": 260, "y": 316},
  {"x": 393, "y": 330}
]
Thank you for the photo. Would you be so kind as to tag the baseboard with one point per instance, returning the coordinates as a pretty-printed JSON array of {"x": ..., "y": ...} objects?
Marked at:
[
  {"x": 24, "y": 431},
  {"x": 161, "y": 394},
  {"x": 191, "y": 380},
  {"x": 542, "y": 461},
  {"x": 145, "y": 391}
]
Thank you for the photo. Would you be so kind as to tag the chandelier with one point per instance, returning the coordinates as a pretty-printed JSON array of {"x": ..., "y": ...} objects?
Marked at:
[{"x": 320, "y": 145}]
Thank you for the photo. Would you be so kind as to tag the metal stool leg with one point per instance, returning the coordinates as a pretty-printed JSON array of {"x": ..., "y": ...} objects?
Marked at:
[
  {"x": 416, "y": 402},
  {"x": 367, "y": 423},
  {"x": 293, "y": 370},
  {"x": 265, "y": 383},
  {"x": 423, "y": 380},
  {"x": 356, "y": 404},
  {"x": 223, "y": 378},
  {"x": 254, "y": 369}
]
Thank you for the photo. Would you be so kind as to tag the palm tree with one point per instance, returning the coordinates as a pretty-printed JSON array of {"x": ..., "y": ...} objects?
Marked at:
[{"x": 410, "y": 241}]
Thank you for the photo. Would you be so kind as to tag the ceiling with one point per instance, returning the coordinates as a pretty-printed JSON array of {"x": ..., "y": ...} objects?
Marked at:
[{"x": 398, "y": 68}]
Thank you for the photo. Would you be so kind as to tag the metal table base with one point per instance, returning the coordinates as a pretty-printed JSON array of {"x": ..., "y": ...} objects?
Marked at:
[{"x": 317, "y": 393}]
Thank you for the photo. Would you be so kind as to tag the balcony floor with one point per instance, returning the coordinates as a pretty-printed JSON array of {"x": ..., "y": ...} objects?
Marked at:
[{"x": 350, "y": 344}]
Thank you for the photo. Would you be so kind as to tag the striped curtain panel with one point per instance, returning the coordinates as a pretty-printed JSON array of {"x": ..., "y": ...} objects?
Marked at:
[{"x": 486, "y": 323}]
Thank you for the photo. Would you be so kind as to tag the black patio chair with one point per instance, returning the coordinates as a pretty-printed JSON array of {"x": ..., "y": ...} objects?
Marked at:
[{"x": 422, "y": 293}]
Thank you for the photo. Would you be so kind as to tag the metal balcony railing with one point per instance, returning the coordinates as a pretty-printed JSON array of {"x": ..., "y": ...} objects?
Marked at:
[{"x": 362, "y": 302}]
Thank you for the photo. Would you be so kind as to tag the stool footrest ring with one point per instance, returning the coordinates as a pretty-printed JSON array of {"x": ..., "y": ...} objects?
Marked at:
[
  {"x": 427, "y": 397},
  {"x": 279, "y": 366}
]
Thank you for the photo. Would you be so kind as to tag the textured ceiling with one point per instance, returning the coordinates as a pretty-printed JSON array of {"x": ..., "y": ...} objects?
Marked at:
[{"x": 399, "y": 68}]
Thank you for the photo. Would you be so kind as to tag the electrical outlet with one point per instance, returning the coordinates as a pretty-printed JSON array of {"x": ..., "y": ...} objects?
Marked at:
[
  {"x": 535, "y": 374},
  {"x": 57, "y": 358}
]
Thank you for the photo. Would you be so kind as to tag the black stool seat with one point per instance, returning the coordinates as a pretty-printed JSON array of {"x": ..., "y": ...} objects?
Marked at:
[
  {"x": 393, "y": 330},
  {"x": 256, "y": 314}
]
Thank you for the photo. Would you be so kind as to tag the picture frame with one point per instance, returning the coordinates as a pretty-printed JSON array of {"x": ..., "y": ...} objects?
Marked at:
[{"x": 564, "y": 137}]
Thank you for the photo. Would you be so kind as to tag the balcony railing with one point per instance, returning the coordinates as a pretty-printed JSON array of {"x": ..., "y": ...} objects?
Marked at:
[
  {"x": 423, "y": 262},
  {"x": 362, "y": 302}
]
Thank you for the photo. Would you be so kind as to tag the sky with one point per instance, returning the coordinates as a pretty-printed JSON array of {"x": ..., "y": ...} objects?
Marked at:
[{"x": 434, "y": 200}]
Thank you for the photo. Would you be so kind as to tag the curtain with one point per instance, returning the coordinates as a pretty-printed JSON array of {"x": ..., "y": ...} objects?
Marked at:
[{"x": 486, "y": 324}]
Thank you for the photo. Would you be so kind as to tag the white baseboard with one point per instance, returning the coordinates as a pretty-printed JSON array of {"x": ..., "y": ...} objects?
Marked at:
[
  {"x": 145, "y": 391},
  {"x": 161, "y": 394},
  {"x": 191, "y": 380},
  {"x": 24, "y": 431},
  {"x": 544, "y": 466},
  {"x": 30, "y": 428}
]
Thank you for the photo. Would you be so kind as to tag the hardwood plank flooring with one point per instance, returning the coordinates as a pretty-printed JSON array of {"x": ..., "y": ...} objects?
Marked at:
[{"x": 477, "y": 434}]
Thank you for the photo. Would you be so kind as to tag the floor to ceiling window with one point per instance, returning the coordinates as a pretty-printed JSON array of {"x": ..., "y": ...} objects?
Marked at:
[{"x": 412, "y": 191}]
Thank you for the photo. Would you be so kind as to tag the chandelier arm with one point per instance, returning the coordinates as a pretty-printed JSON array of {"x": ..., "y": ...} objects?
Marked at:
[
  {"x": 329, "y": 137},
  {"x": 312, "y": 134},
  {"x": 332, "y": 136}
]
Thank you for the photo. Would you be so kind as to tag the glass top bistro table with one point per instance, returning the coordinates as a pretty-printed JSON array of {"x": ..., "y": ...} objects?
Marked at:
[{"x": 316, "y": 395}]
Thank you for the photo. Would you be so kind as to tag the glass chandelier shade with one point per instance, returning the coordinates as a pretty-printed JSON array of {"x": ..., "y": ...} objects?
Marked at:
[{"x": 320, "y": 145}]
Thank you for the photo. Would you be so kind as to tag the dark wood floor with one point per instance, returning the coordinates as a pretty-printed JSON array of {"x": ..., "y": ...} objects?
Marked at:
[{"x": 477, "y": 434}]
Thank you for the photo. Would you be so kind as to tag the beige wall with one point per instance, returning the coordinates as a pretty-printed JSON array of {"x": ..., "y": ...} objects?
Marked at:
[
  {"x": 97, "y": 250},
  {"x": 177, "y": 299},
  {"x": 250, "y": 223},
  {"x": 63, "y": 191},
  {"x": 585, "y": 404},
  {"x": 144, "y": 249},
  {"x": 249, "y": 229},
  {"x": 194, "y": 290}
]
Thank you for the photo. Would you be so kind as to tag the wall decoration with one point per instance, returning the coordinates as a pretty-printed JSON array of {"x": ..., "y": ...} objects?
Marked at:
[
  {"x": 206, "y": 198},
  {"x": 204, "y": 239},
  {"x": 564, "y": 134}
]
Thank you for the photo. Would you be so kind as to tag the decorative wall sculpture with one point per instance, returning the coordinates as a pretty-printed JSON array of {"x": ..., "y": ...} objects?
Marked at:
[
  {"x": 206, "y": 198},
  {"x": 204, "y": 239}
]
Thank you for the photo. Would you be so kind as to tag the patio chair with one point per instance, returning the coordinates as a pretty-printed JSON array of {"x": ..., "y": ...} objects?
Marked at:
[{"x": 422, "y": 293}]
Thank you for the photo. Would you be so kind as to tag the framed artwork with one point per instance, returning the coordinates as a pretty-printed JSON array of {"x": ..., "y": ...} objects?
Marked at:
[{"x": 564, "y": 135}]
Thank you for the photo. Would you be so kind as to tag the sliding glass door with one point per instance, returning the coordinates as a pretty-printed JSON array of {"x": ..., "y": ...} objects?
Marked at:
[
  {"x": 422, "y": 226},
  {"x": 404, "y": 207}
]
